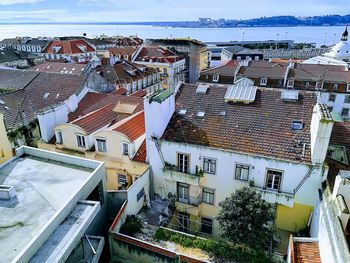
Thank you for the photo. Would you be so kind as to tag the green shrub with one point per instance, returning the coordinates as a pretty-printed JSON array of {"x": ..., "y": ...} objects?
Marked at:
[{"x": 131, "y": 226}]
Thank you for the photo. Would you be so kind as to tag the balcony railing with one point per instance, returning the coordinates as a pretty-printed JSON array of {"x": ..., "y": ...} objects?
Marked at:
[
  {"x": 172, "y": 172},
  {"x": 280, "y": 197},
  {"x": 190, "y": 200}
]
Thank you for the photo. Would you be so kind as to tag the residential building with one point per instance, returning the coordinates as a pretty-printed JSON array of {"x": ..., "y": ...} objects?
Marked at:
[
  {"x": 240, "y": 53},
  {"x": 60, "y": 67},
  {"x": 51, "y": 205},
  {"x": 122, "y": 53},
  {"x": 130, "y": 41},
  {"x": 33, "y": 103},
  {"x": 10, "y": 57},
  {"x": 75, "y": 50},
  {"x": 100, "y": 43},
  {"x": 215, "y": 139},
  {"x": 196, "y": 54},
  {"x": 132, "y": 77},
  {"x": 5, "y": 148},
  {"x": 331, "y": 83},
  {"x": 109, "y": 128},
  {"x": 28, "y": 44},
  {"x": 170, "y": 65}
]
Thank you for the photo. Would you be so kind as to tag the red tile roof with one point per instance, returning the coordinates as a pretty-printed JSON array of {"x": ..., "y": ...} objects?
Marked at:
[
  {"x": 70, "y": 47},
  {"x": 141, "y": 154},
  {"x": 262, "y": 127},
  {"x": 59, "y": 67},
  {"x": 120, "y": 91},
  {"x": 140, "y": 93},
  {"x": 94, "y": 101},
  {"x": 341, "y": 134},
  {"x": 306, "y": 252},
  {"x": 134, "y": 127},
  {"x": 95, "y": 120},
  {"x": 157, "y": 54}
]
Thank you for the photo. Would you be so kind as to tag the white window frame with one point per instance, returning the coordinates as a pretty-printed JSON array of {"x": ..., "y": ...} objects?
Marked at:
[
  {"x": 59, "y": 137},
  {"x": 319, "y": 85},
  {"x": 348, "y": 87},
  {"x": 307, "y": 84},
  {"x": 125, "y": 150},
  {"x": 290, "y": 83},
  {"x": 263, "y": 81},
  {"x": 81, "y": 140},
  {"x": 242, "y": 167},
  {"x": 335, "y": 86},
  {"x": 183, "y": 192},
  {"x": 101, "y": 144},
  {"x": 216, "y": 78},
  {"x": 209, "y": 165},
  {"x": 122, "y": 179},
  {"x": 206, "y": 196},
  {"x": 273, "y": 180},
  {"x": 181, "y": 162}
]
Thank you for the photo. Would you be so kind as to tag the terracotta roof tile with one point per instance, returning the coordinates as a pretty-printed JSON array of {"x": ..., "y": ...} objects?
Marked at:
[
  {"x": 59, "y": 67},
  {"x": 307, "y": 252},
  {"x": 140, "y": 93},
  {"x": 70, "y": 47},
  {"x": 157, "y": 54},
  {"x": 95, "y": 120},
  {"x": 262, "y": 127},
  {"x": 134, "y": 127},
  {"x": 341, "y": 134},
  {"x": 141, "y": 154}
]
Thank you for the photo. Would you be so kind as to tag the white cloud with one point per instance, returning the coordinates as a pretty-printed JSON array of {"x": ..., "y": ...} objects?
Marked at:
[{"x": 12, "y": 2}]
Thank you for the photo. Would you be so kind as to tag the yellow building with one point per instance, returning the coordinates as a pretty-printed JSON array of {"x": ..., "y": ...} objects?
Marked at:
[
  {"x": 114, "y": 134},
  {"x": 6, "y": 152}
]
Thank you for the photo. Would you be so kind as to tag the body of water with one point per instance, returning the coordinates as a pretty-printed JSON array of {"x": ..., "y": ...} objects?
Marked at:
[{"x": 319, "y": 35}]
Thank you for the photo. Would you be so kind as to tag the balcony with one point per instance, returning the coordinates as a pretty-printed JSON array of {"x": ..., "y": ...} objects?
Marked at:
[
  {"x": 283, "y": 198},
  {"x": 190, "y": 204},
  {"x": 170, "y": 172}
]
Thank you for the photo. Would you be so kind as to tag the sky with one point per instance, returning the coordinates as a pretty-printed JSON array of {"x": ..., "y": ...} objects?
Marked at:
[{"x": 161, "y": 10}]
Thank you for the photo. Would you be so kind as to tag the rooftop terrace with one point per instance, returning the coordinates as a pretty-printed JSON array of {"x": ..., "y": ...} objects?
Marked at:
[{"x": 45, "y": 184}]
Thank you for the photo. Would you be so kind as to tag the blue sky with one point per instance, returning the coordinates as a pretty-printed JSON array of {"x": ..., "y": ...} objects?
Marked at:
[{"x": 162, "y": 10}]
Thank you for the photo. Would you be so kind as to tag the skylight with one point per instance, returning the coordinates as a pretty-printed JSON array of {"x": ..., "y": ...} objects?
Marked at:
[
  {"x": 202, "y": 89},
  {"x": 222, "y": 113},
  {"x": 182, "y": 111},
  {"x": 200, "y": 114},
  {"x": 297, "y": 125}
]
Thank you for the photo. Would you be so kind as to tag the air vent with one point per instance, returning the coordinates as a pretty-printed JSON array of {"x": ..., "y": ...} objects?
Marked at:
[
  {"x": 297, "y": 125},
  {"x": 202, "y": 89},
  {"x": 290, "y": 95},
  {"x": 7, "y": 192}
]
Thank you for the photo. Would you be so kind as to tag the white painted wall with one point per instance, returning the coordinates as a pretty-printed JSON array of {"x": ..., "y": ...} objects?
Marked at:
[{"x": 224, "y": 180}]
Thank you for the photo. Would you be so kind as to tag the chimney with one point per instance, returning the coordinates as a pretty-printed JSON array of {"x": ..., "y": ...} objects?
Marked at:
[{"x": 321, "y": 130}]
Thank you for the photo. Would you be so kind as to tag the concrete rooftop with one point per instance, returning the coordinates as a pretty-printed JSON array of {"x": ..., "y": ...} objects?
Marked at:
[{"x": 43, "y": 188}]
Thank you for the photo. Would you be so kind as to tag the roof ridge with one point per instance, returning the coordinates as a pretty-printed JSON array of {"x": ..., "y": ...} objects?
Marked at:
[{"x": 125, "y": 120}]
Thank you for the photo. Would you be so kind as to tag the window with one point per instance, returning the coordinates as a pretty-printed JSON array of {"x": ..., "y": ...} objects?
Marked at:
[
  {"x": 256, "y": 58},
  {"x": 101, "y": 145},
  {"x": 183, "y": 162},
  {"x": 307, "y": 84},
  {"x": 319, "y": 85},
  {"x": 273, "y": 180},
  {"x": 330, "y": 109},
  {"x": 345, "y": 112},
  {"x": 209, "y": 165},
  {"x": 165, "y": 72},
  {"x": 183, "y": 192},
  {"x": 59, "y": 137},
  {"x": 263, "y": 81},
  {"x": 290, "y": 83},
  {"x": 347, "y": 99},
  {"x": 348, "y": 87},
  {"x": 335, "y": 86},
  {"x": 122, "y": 180},
  {"x": 242, "y": 172},
  {"x": 207, "y": 225},
  {"x": 297, "y": 125},
  {"x": 216, "y": 78},
  {"x": 208, "y": 196},
  {"x": 332, "y": 97},
  {"x": 81, "y": 141},
  {"x": 125, "y": 148}
]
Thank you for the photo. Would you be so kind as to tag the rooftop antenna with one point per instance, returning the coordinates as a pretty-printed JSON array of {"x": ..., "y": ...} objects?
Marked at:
[{"x": 345, "y": 35}]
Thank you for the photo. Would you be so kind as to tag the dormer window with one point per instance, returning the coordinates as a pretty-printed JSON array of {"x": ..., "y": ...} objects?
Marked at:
[
  {"x": 348, "y": 87},
  {"x": 263, "y": 81},
  {"x": 216, "y": 78},
  {"x": 56, "y": 49},
  {"x": 59, "y": 137},
  {"x": 101, "y": 145},
  {"x": 81, "y": 141},
  {"x": 307, "y": 84},
  {"x": 290, "y": 83},
  {"x": 125, "y": 148},
  {"x": 319, "y": 85},
  {"x": 297, "y": 125},
  {"x": 335, "y": 87}
]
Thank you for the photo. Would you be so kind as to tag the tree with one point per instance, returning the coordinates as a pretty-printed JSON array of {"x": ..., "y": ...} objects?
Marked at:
[{"x": 246, "y": 218}]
